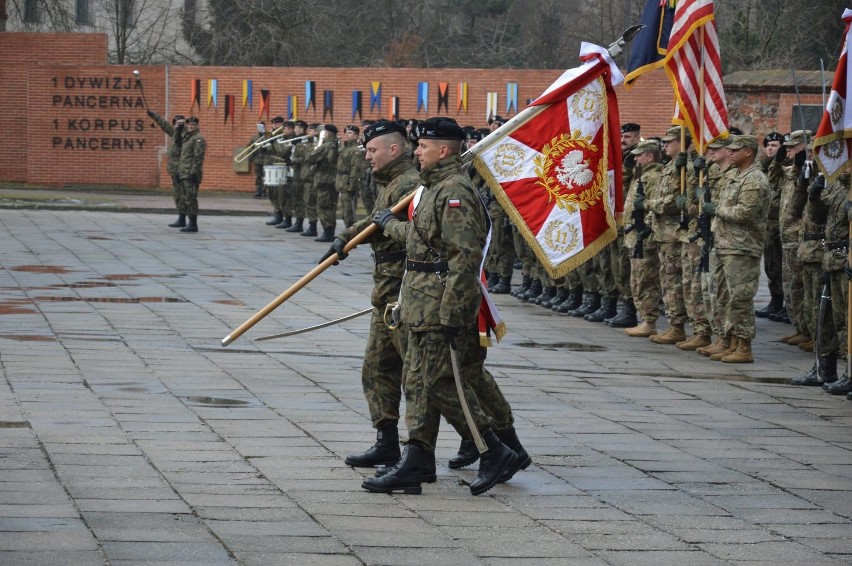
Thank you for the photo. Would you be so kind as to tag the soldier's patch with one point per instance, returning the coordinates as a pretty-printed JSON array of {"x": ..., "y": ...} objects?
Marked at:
[
  {"x": 453, "y": 203},
  {"x": 750, "y": 197}
]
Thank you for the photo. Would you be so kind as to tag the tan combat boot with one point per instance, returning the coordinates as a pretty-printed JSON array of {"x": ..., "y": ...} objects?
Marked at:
[
  {"x": 697, "y": 341},
  {"x": 742, "y": 355},
  {"x": 731, "y": 349},
  {"x": 721, "y": 344},
  {"x": 643, "y": 330},
  {"x": 798, "y": 339},
  {"x": 786, "y": 339},
  {"x": 673, "y": 335},
  {"x": 807, "y": 346}
]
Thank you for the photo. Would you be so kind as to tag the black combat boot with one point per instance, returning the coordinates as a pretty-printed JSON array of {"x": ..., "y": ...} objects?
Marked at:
[
  {"x": 546, "y": 296},
  {"x": 608, "y": 309},
  {"x": 775, "y": 305},
  {"x": 428, "y": 473},
  {"x": 286, "y": 223},
  {"x": 180, "y": 222},
  {"x": 558, "y": 298},
  {"x": 327, "y": 235},
  {"x": 193, "y": 224},
  {"x": 525, "y": 285},
  {"x": 311, "y": 230},
  {"x": 626, "y": 318},
  {"x": 491, "y": 281},
  {"x": 404, "y": 476},
  {"x": 591, "y": 303},
  {"x": 297, "y": 226},
  {"x": 385, "y": 452},
  {"x": 503, "y": 286},
  {"x": 823, "y": 372},
  {"x": 840, "y": 387},
  {"x": 778, "y": 316},
  {"x": 277, "y": 219},
  {"x": 492, "y": 463},
  {"x": 574, "y": 300},
  {"x": 531, "y": 293},
  {"x": 510, "y": 438},
  {"x": 467, "y": 455}
]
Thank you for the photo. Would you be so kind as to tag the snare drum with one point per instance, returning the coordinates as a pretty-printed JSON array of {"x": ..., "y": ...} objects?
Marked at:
[{"x": 274, "y": 175}]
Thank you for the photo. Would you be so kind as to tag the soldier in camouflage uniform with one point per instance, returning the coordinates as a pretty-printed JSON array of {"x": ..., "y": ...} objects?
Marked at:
[
  {"x": 772, "y": 254},
  {"x": 192, "y": 151},
  {"x": 439, "y": 305},
  {"x": 281, "y": 152},
  {"x": 266, "y": 156},
  {"x": 299, "y": 150},
  {"x": 324, "y": 159},
  {"x": 309, "y": 190},
  {"x": 739, "y": 227},
  {"x": 258, "y": 160},
  {"x": 644, "y": 271},
  {"x": 175, "y": 131},
  {"x": 350, "y": 173}
]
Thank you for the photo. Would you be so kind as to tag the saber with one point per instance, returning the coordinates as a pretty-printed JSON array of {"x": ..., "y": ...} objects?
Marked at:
[
  {"x": 807, "y": 167},
  {"x": 823, "y": 307},
  {"x": 140, "y": 87},
  {"x": 316, "y": 326},
  {"x": 477, "y": 438}
]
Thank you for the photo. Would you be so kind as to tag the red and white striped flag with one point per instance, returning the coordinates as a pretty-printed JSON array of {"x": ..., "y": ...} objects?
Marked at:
[
  {"x": 694, "y": 66},
  {"x": 833, "y": 140},
  {"x": 555, "y": 168}
]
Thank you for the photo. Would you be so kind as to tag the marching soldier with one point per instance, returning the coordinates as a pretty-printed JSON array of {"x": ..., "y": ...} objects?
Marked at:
[
  {"x": 350, "y": 173},
  {"x": 324, "y": 159},
  {"x": 190, "y": 168},
  {"x": 175, "y": 130}
]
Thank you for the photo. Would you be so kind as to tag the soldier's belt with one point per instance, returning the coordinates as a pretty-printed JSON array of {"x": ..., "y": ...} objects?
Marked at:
[
  {"x": 388, "y": 257},
  {"x": 427, "y": 266},
  {"x": 836, "y": 245},
  {"x": 811, "y": 236}
]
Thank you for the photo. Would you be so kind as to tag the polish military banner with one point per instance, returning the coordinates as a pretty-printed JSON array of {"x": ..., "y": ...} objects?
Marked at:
[{"x": 833, "y": 140}]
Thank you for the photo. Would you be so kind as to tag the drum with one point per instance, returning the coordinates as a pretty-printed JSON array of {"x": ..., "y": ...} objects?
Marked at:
[{"x": 274, "y": 175}]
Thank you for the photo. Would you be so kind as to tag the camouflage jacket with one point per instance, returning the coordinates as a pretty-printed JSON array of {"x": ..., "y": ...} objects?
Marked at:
[
  {"x": 324, "y": 160},
  {"x": 262, "y": 155},
  {"x": 650, "y": 176},
  {"x": 301, "y": 171},
  {"x": 448, "y": 225},
  {"x": 791, "y": 205},
  {"x": 775, "y": 177},
  {"x": 192, "y": 151},
  {"x": 660, "y": 200},
  {"x": 393, "y": 182},
  {"x": 174, "y": 147},
  {"x": 280, "y": 151},
  {"x": 739, "y": 226},
  {"x": 830, "y": 210},
  {"x": 351, "y": 168}
]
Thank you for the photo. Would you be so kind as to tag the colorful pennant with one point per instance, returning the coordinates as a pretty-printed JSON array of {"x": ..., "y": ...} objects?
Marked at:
[
  {"x": 511, "y": 97},
  {"x": 490, "y": 105},
  {"x": 423, "y": 96},
  {"x": 356, "y": 105},
  {"x": 328, "y": 104},
  {"x": 394, "y": 108},
  {"x": 264, "y": 103},
  {"x": 376, "y": 96},
  {"x": 195, "y": 94},
  {"x": 444, "y": 96},
  {"x": 213, "y": 93},
  {"x": 292, "y": 107},
  {"x": 247, "y": 93},
  {"x": 229, "y": 108},
  {"x": 310, "y": 93},
  {"x": 462, "y": 98}
]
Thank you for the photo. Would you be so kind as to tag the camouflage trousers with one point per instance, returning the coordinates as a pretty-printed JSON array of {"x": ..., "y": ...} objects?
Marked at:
[
  {"x": 693, "y": 294},
  {"x": 189, "y": 194},
  {"x": 501, "y": 252},
  {"x": 604, "y": 271},
  {"x": 381, "y": 373},
  {"x": 716, "y": 295},
  {"x": 309, "y": 196},
  {"x": 258, "y": 177},
  {"x": 645, "y": 283},
  {"x": 671, "y": 280},
  {"x": 812, "y": 292},
  {"x": 792, "y": 280},
  {"x": 272, "y": 195},
  {"x": 430, "y": 389},
  {"x": 177, "y": 194},
  {"x": 742, "y": 274},
  {"x": 348, "y": 205},
  {"x": 368, "y": 197},
  {"x": 772, "y": 259},
  {"x": 620, "y": 261},
  {"x": 283, "y": 200},
  {"x": 839, "y": 306},
  {"x": 326, "y": 202},
  {"x": 523, "y": 251},
  {"x": 297, "y": 197}
]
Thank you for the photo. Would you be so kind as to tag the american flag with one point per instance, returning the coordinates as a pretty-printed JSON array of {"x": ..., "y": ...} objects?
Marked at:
[{"x": 694, "y": 66}]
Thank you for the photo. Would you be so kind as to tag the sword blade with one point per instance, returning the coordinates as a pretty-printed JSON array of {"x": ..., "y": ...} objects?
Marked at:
[
  {"x": 477, "y": 438},
  {"x": 316, "y": 326}
]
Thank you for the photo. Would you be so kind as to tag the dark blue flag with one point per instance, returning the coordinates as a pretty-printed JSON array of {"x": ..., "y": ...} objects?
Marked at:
[{"x": 650, "y": 44}]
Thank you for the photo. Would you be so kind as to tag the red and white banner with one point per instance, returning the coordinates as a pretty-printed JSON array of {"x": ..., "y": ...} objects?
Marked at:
[
  {"x": 833, "y": 140},
  {"x": 556, "y": 166}
]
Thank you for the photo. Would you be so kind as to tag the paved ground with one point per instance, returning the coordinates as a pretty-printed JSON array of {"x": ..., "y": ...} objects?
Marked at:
[{"x": 128, "y": 435}]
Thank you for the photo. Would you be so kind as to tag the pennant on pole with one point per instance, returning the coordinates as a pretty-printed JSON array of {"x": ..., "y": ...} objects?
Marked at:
[
  {"x": 264, "y": 103},
  {"x": 423, "y": 96},
  {"x": 247, "y": 93},
  {"x": 310, "y": 93},
  {"x": 376, "y": 96},
  {"x": 511, "y": 97},
  {"x": 356, "y": 105},
  {"x": 694, "y": 66},
  {"x": 461, "y": 97},
  {"x": 229, "y": 108},
  {"x": 213, "y": 93},
  {"x": 195, "y": 94},
  {"x": 444, "y": 97},
  {"x": 328, "y": 104},
  {"x": 650, "y": 45},
  {"x": 292, "y": 107},
  {"x": 556, "y": 166},
  {"x": 490, "y": 105},
  {"x": 833, "y": 140},
  {"x": 394, "y": 108}
]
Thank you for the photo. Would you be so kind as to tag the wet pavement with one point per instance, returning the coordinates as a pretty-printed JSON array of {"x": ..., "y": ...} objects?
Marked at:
[{"x": 128, "y": 435}]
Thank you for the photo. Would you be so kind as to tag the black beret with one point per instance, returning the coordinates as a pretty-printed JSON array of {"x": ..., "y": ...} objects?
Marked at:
[
  {"x": 313, "y": 125},
  {"x": 278, "y": 120},
  {"x": 411, "y": 122},
  {"x": 301, "y": 123},
  {"x": 771, "y": 137},
  {"x": 330, "y": 128},
  {"x": 179, "y": 117},
  {"x": 630, "y": 127},
  {"x": 289, "y": 124},
  {"x": 352, "y": 128},
  {"x": 440, "y": 129},
  {"x": 473, "y": 135},
  {"x": 733, "y": 130},
  {"x": 496, "y": 118},
  {"x": 192, "y": 120},
  {"x": 365, "y": 123},
  {"x": 381, "y": 128}
]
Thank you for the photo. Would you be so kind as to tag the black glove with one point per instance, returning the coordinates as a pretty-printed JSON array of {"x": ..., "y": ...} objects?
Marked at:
[
  {"x": 708, "y": 208},
  {"x": 639, "y": 202},
  {"x": 699, "y": 164},
  {"x": 680, "y": 160},
  {"x": 800, "y": 158},
  {"x": 382, "y": 217},
  {"x": 816, "y": 187},
  {"x": 151, "y": 114},
  {"x": 336, "y": 248},
  {"x": 450, "y": 333},
  {"x": 781, "y": 155}
]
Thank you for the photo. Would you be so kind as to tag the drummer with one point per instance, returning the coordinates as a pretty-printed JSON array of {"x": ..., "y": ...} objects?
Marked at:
[
  {"x": 258, "y": 158},
  {"x": 282, "y": 151},
  {"x": 270, "y": 176}
]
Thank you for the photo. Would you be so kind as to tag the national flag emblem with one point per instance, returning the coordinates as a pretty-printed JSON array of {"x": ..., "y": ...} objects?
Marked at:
[
  {"x": 453, "y": 203},
  {"x": 833, "y": 140}
]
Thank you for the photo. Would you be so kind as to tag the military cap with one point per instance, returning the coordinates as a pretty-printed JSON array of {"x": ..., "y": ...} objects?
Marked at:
[
  {"x": 630, "y": 127},
  {"x": 381, "y": 128},
  {"x": 797, "y": 137},
  {"x": 178, "y": 117},
  {"x": 411, "y": 122},
  {"x": 771, "y": 137},
  {"x": 719, "y": 143},
  {"x": 365, "y": 123},
  {"x": 743, "y": 142},
  {"x": 440, "y": 129},
  {"x": 289, "y": 124},
  {"x": 192, "y": 120},
  {"x": 672, "y": 134},
  {"x": 733, "y": 130},
  {"x": 473, "y": 135},
  {"x": 330, "y": 128},
  {"x": 301, "y": 123},
  {"x": 646, "y": 146},
  {"x": 352, "y": 128},
  {"x": 313, "y": 125},
  {"x": 278, "y": 120}
]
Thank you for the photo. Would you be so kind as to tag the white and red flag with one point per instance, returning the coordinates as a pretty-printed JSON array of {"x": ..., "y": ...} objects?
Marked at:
[
  {"x": 693, "y": 64},
  {"x": 555, "y": 168},
  {"x": 833, "y": 140}
]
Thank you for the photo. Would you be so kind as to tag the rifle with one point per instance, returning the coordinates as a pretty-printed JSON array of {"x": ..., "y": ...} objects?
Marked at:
[
  {"x": 638, "y": 217},
  {"x": 705, "y": 234}
]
